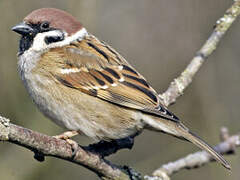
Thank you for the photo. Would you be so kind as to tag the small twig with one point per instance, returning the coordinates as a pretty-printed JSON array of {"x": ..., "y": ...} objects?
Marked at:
[{"x": 177, "y": 87}]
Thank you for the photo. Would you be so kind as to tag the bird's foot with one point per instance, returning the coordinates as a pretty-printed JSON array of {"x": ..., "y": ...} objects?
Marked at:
[{"x": 66, "y": 136}]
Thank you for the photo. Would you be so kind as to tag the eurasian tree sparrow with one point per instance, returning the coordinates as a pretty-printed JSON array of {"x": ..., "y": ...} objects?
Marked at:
[{"x": 84, "y": 85}]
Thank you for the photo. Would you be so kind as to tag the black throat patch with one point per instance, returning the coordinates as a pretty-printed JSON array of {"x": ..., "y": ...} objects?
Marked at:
[{"x": 25, "y": 43}]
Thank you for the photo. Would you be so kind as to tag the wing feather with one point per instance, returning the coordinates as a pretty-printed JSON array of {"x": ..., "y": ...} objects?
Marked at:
[{"x": 100, "y": 71}]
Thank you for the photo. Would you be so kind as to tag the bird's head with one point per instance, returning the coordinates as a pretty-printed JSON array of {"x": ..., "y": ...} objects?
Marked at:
[{"x": 48, "y": 28}]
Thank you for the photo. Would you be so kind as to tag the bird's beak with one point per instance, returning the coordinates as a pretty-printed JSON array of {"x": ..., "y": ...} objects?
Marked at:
[{"x": 23, "y": 29}]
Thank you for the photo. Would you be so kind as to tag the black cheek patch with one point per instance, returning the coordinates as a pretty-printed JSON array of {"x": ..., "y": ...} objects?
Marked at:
[{"x": 52, "y": 39}]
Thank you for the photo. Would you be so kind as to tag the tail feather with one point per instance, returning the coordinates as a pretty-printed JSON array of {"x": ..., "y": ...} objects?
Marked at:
[
  {"x": 178, "y": 130},
  {"x": 185, "y": 133}
]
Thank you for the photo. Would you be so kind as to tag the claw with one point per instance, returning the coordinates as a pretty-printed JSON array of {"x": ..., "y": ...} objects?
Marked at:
[
  {"x": 74, "y": 146},
  {"x": 66, "y": 136}
]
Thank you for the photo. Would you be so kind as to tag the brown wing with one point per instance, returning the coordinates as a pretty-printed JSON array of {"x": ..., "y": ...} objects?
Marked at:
[{"x": 95, "y": 68}]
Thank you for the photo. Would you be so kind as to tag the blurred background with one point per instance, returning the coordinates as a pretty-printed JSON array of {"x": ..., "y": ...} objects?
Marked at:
[{"x": 159, "y": 38}]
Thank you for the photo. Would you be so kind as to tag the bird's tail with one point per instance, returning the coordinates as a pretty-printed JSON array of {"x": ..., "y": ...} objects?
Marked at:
[
  {"x": 179, "y": 130},
  {"x": 186, "y": 134}
]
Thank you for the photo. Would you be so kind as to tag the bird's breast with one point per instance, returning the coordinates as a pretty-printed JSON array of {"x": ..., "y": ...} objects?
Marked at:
[{"x": 75, "y": 110}]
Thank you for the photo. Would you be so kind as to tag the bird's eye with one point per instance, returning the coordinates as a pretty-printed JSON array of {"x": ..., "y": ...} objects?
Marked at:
[{"x": 45, "y": 25}]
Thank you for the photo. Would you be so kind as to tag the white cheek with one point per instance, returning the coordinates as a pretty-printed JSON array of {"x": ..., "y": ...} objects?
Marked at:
[
  {"x": 39, "y": 40},
  {"x": 39, "y": 44}
]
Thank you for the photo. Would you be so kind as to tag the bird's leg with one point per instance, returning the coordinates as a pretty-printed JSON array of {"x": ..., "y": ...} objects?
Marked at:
[{"x": 66, "y": 136}]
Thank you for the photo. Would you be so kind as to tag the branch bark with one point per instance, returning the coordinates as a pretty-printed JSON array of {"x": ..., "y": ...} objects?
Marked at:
[{"x": 43, "y": 145}]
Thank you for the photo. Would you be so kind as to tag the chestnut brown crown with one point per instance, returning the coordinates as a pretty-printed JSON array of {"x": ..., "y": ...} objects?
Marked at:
[{"x": 56, "y": 18}]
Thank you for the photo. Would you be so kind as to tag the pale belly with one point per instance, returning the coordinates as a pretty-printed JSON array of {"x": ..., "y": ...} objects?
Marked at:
[{"x": 74, "y": 110}]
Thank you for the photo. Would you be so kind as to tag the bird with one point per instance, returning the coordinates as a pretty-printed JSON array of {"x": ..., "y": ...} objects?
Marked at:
[{"x": 84, "y": 85}]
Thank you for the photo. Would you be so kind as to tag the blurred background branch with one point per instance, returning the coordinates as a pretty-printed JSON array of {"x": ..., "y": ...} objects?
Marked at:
[
  {"x": 200, "y": 158},
  {"x": 99, "y": 14},
  {"x": 179, "y": 84}
]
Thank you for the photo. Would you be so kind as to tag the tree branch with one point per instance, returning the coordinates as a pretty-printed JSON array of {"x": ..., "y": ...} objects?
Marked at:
[{"x": 43, "y": 145}]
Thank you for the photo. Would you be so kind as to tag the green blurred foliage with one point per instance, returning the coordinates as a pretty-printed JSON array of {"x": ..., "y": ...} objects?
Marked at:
[{"x": 159, "y": 38}]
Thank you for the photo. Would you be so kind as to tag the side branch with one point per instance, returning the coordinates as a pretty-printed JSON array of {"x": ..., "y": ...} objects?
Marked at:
[{"x": 177, "y": 87}]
